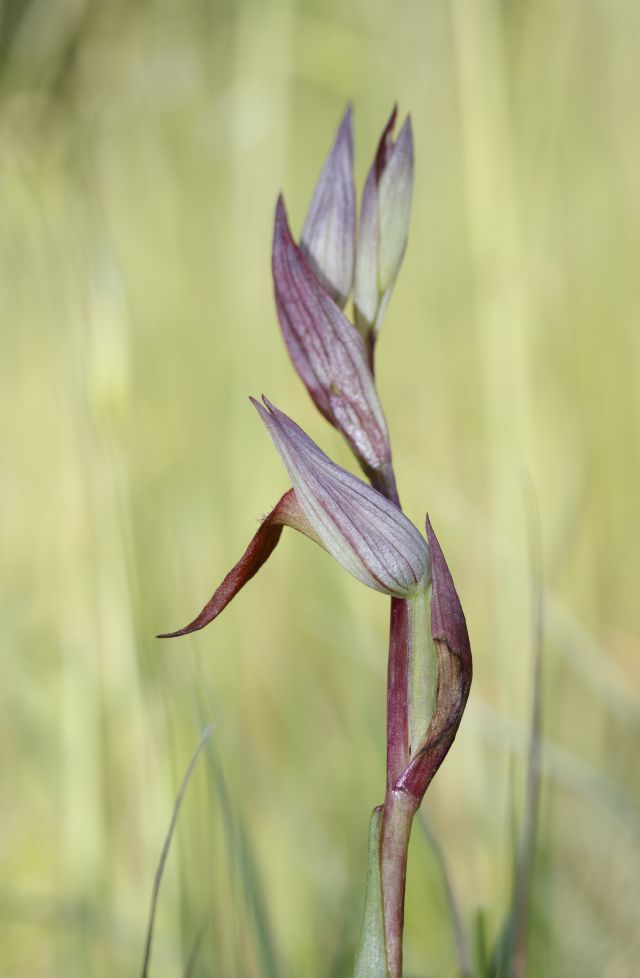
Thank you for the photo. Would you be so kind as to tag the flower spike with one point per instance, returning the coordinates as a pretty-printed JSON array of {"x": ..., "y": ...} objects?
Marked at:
[
  {"x": 328, "y": 235},
  {"x": 328, "y": 352},
  {"x": 368, "y": 535},
  {"x": 362, "y": 525},
  {"x": 384, "y": 226}
]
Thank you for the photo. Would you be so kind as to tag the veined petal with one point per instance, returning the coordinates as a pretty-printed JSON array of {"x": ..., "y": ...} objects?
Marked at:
[
  {"x": 366, "y": 297},
  {"x": 356, "y": 524},
  {"x": 395, "y": 191},
  {"x": 286, "y": 513},
  {"x": 384, "y": 225},
  {"x": 327, "y": 351},
  {"x": 328, "y": 235}
]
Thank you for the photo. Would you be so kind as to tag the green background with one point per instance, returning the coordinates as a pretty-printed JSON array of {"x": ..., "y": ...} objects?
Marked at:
[{"x": 142, "y": 145}]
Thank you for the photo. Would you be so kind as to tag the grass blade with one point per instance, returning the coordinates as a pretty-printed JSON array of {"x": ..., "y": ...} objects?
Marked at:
[
  {"x": 522, "y": 883},
  {"x": 206, "y": 733},
  {"x": 461, "y": 944},
  {"x": 239, "y": 843}
]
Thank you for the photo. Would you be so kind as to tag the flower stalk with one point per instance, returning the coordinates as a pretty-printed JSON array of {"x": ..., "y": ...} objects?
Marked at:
[
  {"x": 397, "y": 820},
  {"x": 429, "y": 678}
]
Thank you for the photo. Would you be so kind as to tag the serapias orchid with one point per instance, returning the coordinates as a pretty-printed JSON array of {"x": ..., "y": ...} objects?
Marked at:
[
  {"x": 368, "y": 535},
  {"x": 362, "y": 526}
]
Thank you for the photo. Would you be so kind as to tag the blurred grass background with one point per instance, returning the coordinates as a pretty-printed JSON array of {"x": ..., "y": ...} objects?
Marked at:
[{"x": 142, "y": 145}]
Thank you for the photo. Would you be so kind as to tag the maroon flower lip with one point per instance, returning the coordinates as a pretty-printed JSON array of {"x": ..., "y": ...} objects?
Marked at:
[{"x": 264, "y": 541}]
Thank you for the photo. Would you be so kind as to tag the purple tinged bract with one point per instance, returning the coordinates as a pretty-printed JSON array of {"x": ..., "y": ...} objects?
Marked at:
[
  {"x": 455, "y": 672},
  {"x": 368, "y": 535},
  {"x": 328, "y": 352},
  {"x": 328, "y": 235}
]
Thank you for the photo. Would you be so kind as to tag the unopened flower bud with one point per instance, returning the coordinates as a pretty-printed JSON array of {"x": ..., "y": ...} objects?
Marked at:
[
  {"x": 328, "y": 235},
  {"x": 369, "y": 536},
  {"x": 384, "y": 225},
  {"x": 328, "y": 352}
]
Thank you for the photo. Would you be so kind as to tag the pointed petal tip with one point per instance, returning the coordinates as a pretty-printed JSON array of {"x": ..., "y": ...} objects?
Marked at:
[
  {"x": 281, "y": 210},
  {"x": 346, "y": 121},
  {"x": 272, "y": 416},
  {"x": 262, "y": 411},
  {"x": 193, "y": 626},
  {"x": 404, "y": 142},
  {"x": 406, "y": 130},
  {"x": 344, "y": 135},
  {"x": 385, "y": 144},
  {"x": 283, "y": 243},
  {"x": 274, "y": 413}
]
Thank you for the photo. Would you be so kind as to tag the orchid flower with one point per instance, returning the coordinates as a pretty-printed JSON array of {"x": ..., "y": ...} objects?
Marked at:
[{"x": 368, "y": 535}]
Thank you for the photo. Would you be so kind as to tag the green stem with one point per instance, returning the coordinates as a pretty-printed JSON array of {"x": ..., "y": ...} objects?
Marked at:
[
  {"x": 400, "y": 806},
  {"x": 421, "y": 667}
]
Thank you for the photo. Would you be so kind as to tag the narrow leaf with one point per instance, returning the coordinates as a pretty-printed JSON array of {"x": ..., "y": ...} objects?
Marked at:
[
  {"x": 206, "y": 733},
  {"x": 371, "y": 956}
]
